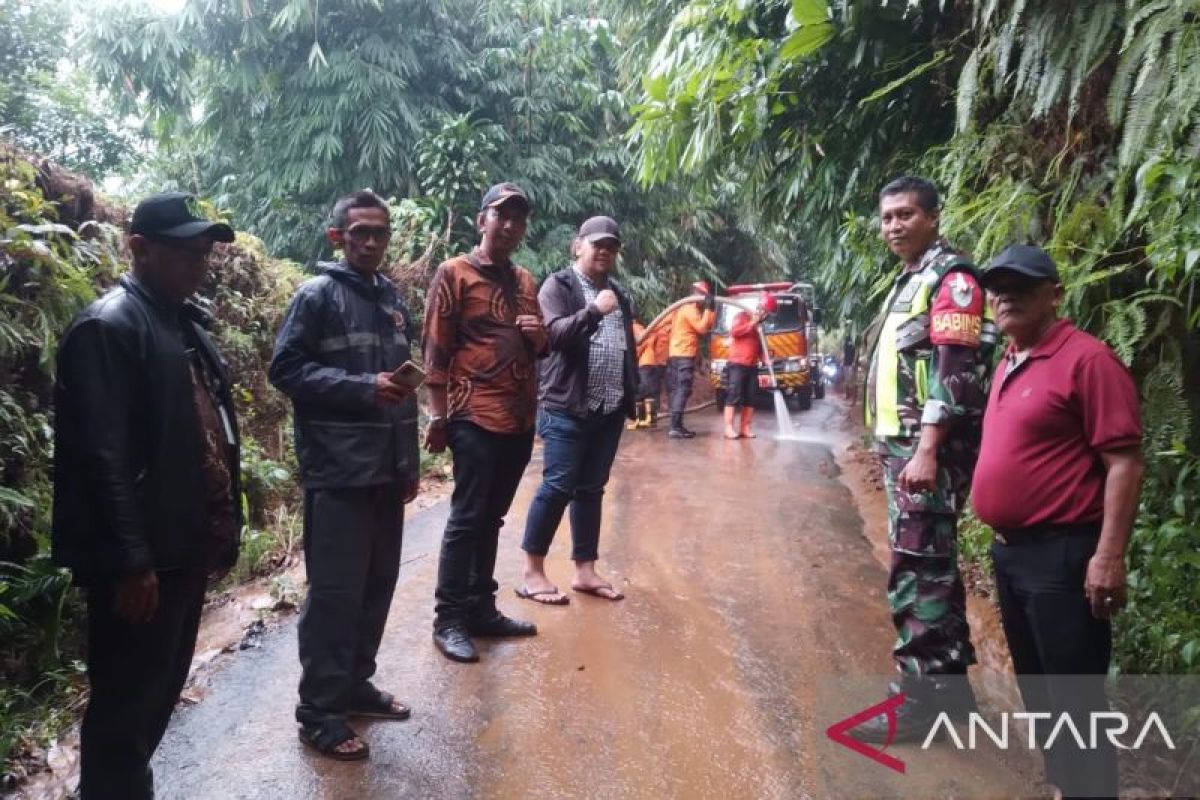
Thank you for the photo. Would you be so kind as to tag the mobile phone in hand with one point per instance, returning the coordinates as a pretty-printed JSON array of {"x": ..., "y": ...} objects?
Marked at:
[{"x": 408, "y": 375}]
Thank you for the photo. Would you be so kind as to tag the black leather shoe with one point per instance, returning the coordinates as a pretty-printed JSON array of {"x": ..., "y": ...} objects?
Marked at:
[
  {"x": 501, "y": 625},
  {"x": 680, "y": 433},
  {"x": 455, "y": 643}
]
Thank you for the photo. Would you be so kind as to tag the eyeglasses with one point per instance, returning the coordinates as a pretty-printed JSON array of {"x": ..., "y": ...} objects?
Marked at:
[{"x": 361, "y": 233}]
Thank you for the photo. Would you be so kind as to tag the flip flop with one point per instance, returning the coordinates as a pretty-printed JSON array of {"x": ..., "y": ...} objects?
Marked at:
[
  {"x": 606, "y": 592},
  {"x": 727, "y": 436},
  {"x": 748, "y": 435},
  {"x": 524, "y": 593}
]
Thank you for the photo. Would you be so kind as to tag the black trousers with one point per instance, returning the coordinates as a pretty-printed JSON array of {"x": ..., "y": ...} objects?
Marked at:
[
  {"x": 1051, "y": 632},
  {"x": 487, "y": 470},
  {"x": 352, "y": 540},
  {"x": 136, "y": 672},
  {"x": 681, "y": 373},
  {"x": 741, "y": 385},
  {"x": 650, "y": 381}
]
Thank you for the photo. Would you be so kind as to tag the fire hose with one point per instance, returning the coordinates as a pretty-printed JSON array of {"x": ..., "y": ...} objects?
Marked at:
[
  {"x": 720, "y": 300},
  {"x": 696, "y": 298}
]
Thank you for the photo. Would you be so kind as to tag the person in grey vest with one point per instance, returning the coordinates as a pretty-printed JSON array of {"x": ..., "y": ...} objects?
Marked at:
[{"x": 345, "y": 332}]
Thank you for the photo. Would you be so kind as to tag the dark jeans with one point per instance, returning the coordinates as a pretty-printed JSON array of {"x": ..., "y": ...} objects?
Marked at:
[
  {"x": 136, "y": 672},
  {"x": 352, "y": 539},
  {"x": 487, "y": 470},
  {"x": 1050, "y": 630},
  {"x": 681, "y": 373},
  {"x": 578, "y": 456}
]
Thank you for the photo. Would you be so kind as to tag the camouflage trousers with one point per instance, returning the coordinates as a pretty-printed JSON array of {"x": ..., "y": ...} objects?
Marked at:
[{"x": 925, "y": 588}]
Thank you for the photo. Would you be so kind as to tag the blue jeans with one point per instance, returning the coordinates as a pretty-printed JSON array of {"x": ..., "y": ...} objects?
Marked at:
[{"x": 577, "y": 458}]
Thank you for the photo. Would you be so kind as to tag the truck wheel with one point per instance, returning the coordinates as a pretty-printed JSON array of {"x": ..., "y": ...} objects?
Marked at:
[
  {"x": 802, "y": 399},
  {"x": 819, "y": 390}
]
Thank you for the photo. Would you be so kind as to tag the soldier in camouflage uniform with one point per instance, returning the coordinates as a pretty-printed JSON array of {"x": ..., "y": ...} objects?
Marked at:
[{"x": 926, "y": 391}]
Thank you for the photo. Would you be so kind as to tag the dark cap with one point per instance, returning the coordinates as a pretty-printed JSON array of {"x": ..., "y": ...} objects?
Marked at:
[
  {"x": 597, "y": 228},
  {"x": 502, "y": 193},
  {"x": 176, "y": 215},
  {"x": 1023, "y": 259}
]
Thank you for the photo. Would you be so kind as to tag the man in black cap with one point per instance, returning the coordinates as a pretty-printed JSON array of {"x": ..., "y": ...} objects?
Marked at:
[
  {"x": 344, "y": 335},
  {"x": 146, "y": 486},
  {"x": 483, "y": 337},
  {"x": 1058, "y": 477},
  {"x": 588, "y": 386}
]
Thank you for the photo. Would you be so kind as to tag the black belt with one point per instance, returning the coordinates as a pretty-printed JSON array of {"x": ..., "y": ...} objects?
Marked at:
[{"x": 1047, "y": 531}]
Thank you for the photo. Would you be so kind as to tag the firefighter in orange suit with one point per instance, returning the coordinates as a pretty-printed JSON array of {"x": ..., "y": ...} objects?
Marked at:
[
  {"x": 652, "y": 365},
  {"x": 689, "y": 324}
]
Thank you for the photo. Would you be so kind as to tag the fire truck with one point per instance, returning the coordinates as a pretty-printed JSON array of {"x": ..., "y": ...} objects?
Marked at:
[{"x": 787, "y": 332}]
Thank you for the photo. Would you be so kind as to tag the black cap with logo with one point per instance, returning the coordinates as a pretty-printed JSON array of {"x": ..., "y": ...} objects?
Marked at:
[
  {"x": 598, "y": 228},
  {"x": 1023, "y": 259},
  {"x": 502, "y": 193},
  {"x": 176, "y": 215}
]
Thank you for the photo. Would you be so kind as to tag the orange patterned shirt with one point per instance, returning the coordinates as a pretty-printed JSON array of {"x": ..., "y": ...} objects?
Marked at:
[{"x": 473, "y": 346}]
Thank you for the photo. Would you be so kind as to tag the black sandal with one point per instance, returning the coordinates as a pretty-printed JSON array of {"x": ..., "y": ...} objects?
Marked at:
[
  {"x": 377, "y": 704},
  {"x": 326, "y": 737}
]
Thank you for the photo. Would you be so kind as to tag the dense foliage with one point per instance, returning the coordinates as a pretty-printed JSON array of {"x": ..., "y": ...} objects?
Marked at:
[
  {"x": 277, "y": 108},
  {"x": 48, "y": 104}
]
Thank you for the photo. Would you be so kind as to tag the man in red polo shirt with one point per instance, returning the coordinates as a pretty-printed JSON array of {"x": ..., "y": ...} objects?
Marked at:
[{"x": 1059, "y": 472}]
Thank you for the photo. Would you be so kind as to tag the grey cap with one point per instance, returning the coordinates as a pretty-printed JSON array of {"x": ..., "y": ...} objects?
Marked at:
[
  {"x": 1023, "y": 259},
  {"x": 501, "y": 193},
  {"x": 597, "y": 228}
]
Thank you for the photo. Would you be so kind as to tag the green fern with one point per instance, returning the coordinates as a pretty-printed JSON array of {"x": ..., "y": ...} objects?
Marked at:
[{"x": 1167, "y": 417}]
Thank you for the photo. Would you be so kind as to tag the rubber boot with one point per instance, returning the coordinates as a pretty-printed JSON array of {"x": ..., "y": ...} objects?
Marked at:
[
  {"x": 652, "y": 412},
  {"x": 640, "y": 420},
  {"x": 643, "y": 409}
]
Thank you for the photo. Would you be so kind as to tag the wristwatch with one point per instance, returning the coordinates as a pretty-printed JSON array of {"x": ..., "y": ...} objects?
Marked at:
[{"x": 437, "y": 421}]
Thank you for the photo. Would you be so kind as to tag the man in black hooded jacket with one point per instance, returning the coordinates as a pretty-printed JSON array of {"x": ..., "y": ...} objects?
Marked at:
[{"x": 345, "y": 333}]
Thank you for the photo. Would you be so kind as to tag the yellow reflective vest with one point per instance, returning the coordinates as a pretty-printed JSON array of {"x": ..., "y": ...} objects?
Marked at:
[{"x": 899, "y": 384}]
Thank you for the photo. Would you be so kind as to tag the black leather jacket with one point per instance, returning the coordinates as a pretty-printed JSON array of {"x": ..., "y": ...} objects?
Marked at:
[
  {"x": 570, "y": 322},
  {"x": 128, "y": 447},
  {"x": 340, "y": 332}
]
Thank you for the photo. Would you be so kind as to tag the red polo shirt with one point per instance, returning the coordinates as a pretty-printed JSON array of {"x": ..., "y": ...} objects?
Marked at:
[{"x": 1047, "y": 422}]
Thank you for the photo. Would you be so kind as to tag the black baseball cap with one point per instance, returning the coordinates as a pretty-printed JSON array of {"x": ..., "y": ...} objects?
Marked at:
[
  {"x": 502, "y": 193},
  {"x": 176, "y": 215},
  {"x": 597, "y": 228},
  {"x": 1023, "y": 259}
]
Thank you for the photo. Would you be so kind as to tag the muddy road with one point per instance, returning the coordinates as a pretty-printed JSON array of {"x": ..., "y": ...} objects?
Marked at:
[{"x": 753, "y": 598}]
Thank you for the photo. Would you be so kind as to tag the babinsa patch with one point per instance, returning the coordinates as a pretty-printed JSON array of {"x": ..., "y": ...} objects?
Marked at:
[{"x": 957, "y": 315}]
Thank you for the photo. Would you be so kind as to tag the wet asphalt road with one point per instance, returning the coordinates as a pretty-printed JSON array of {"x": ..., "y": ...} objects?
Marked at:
[{"x": 753, "y": 603}]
